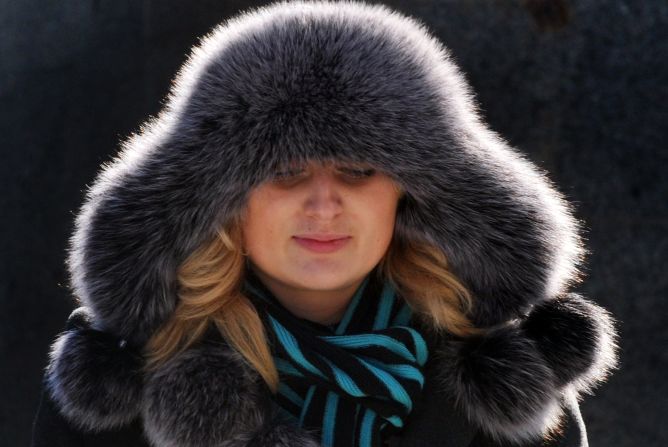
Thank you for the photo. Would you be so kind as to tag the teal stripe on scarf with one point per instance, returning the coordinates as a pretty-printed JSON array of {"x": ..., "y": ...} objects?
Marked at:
[
  {"x": 367, "y": 425},
  {"x": 396, "y": 390},
  {"x": 405, "y": 371},
  {"x": 330, "y": 417},
  {"x": 309, "y": 396},
  {"x": 367, "y": 340},
  {"x": 386, "y": 302},
  {"x": 345, "y": 382},
  {"x": 291, "y": 345},
  {"x": 286, "y": 367}
]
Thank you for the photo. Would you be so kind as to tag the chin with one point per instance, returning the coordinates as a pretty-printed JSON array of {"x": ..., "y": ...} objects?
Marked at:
[
  {"x": 324, "y": 281},
  {"x": 324, "y": 277}
]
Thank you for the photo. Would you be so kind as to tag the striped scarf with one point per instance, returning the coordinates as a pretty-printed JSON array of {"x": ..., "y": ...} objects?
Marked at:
[{"x": 352, "y": 383}]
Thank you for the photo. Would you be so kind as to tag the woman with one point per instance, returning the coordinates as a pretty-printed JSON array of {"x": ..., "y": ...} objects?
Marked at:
[{"x": 318, "y": 243}]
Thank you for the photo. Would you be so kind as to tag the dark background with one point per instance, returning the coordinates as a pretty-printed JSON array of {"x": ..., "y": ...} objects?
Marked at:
[{"x": 581, "y": 87}]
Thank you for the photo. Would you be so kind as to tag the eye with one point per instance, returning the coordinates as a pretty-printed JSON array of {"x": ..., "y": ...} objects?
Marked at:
[
  {"x": 287, "y": 174},
  {"x": 358, "y": 174}
]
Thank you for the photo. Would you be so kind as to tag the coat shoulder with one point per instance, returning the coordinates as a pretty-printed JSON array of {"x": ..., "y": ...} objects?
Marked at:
[
  {"x": 437, "y": 421},
  {"x": 51, "y": 429}
]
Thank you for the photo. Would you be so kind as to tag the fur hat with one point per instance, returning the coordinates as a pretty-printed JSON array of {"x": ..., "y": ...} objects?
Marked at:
[{"x": 295, "y": 81}]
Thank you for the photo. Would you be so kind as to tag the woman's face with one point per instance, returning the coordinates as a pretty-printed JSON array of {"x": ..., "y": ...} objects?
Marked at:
[{"x": 290, "y": 217}]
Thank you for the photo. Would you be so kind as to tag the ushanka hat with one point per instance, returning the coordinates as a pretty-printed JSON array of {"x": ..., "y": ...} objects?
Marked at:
[{"x": 297, "y": 81}]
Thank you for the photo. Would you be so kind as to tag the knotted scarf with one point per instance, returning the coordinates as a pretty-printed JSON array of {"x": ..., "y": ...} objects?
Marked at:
[{"x": 352, "y": 383}]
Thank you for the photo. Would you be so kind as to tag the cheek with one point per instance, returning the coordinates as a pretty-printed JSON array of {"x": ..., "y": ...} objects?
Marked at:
[
  {"x": 379, "y": 222},
  {"x": 257, "y": 225},
  {"x": 265, "y": 230}
]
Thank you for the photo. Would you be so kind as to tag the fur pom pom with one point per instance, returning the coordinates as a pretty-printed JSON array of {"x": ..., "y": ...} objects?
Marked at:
[
  {"x": 577, "y": 338},
  {"x": 204, "y": 396},
  {"x": 94, "y": 377},
  {"x": 502, "y": 383}
]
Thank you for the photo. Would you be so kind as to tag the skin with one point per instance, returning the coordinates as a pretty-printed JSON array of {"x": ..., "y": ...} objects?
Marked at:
[{"x": 340, "y": 198}]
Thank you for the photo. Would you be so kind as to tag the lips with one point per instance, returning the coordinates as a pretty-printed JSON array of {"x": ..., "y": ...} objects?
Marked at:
[
  {"x": 322, "y": 243},
  {"x": 322, "y": 237}
]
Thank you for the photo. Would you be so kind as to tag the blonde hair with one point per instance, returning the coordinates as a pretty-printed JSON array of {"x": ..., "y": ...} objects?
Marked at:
[{"x": 210, "y": 282}]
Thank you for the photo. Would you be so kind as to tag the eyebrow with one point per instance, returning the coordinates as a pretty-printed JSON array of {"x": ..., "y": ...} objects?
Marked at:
[{"x": 336, "y": 164}]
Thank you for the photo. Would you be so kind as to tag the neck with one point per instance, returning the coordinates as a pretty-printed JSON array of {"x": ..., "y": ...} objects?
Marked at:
[{"x": 320, "y": 306}]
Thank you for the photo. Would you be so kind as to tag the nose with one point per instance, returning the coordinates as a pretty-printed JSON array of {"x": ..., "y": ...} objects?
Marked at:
[{"x": 323, "y": 200}]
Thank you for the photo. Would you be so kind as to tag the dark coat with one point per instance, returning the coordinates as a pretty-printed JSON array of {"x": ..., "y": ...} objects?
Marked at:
[
  {"x": 435, "y": 421},
  {"x": 344, "y": 81}
]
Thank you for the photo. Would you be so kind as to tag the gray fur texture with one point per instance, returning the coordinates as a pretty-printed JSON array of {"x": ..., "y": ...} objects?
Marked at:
[
  {"x": 204, "y": 383},
  {"x": 316, "y": 80}
]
